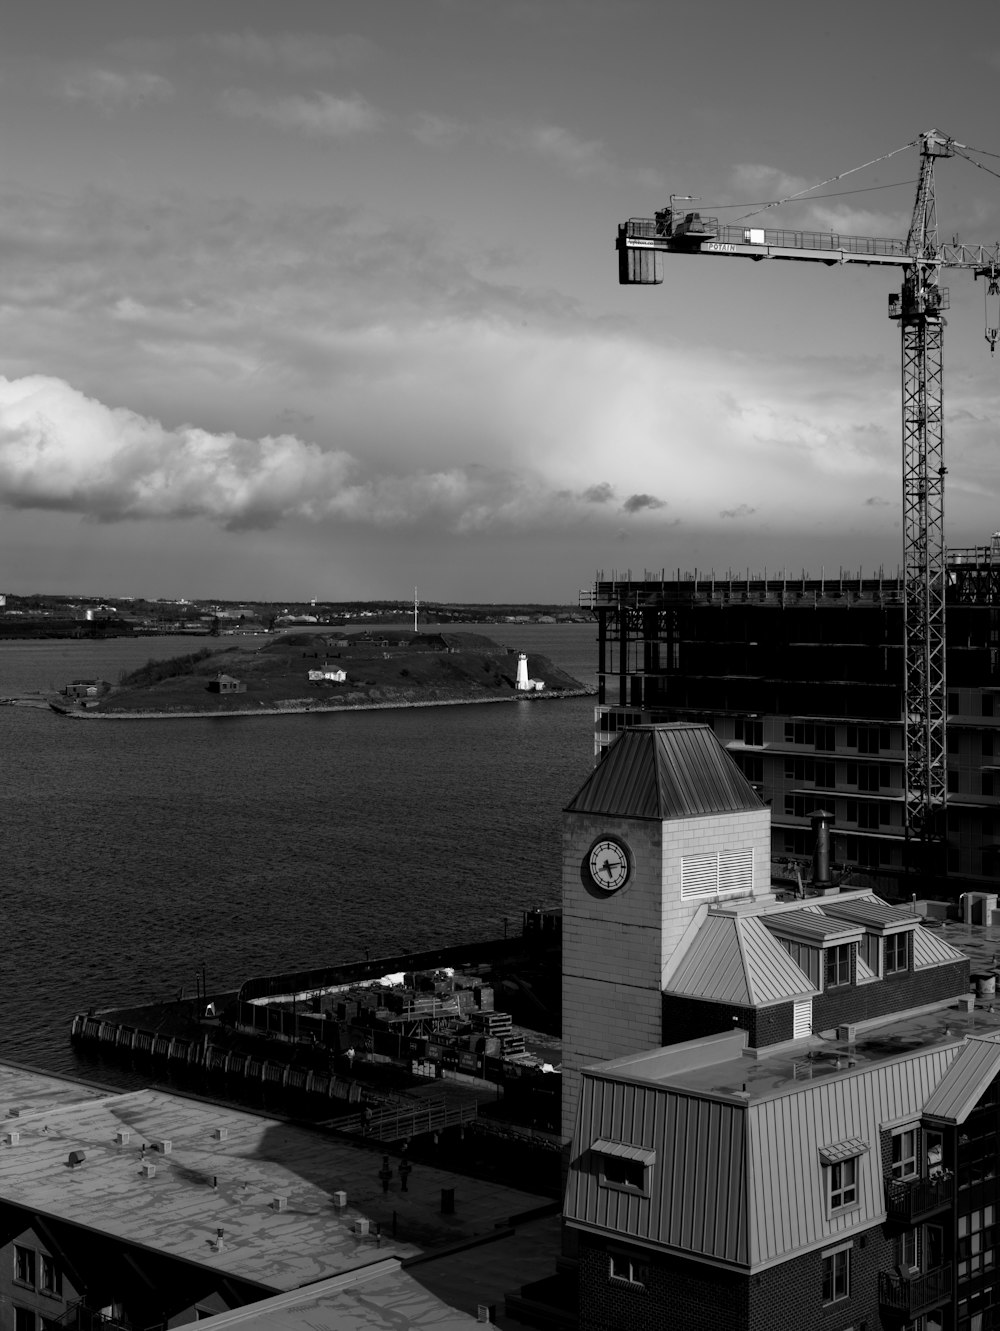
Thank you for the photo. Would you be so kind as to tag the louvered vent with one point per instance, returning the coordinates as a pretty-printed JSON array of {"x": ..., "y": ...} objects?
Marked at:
[{"x": 723, "y": 873}]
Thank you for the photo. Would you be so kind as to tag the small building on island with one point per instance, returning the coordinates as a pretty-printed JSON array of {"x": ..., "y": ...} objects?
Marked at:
[
  {"x": 226, "y": 684},
  {"x": 328, "y": 674}
]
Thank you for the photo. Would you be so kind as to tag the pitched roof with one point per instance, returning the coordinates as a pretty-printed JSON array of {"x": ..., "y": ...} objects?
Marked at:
[
  {"x": 871, "y": 911},
  {"x": 735, "y": 960},
  {"x": 665, "y": 771},
  {"x": 960, "y": 1088},
  {"x": 930, "y": 949}
]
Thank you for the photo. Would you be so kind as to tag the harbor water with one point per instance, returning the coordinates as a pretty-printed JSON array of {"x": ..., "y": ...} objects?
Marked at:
[{"x": 138, "y": 854}]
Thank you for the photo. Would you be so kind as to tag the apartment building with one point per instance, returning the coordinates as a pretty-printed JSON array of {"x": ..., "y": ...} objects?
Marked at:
[{"x": 802, "y": 681}]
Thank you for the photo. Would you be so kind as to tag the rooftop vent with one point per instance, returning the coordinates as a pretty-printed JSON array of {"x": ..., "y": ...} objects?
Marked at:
[
  {"x": 147, "y": 1169},
  {"x": 123, "y": 1136},
  {"x": 75, "y": 1158},
  {"x": 164, "y": 1146},
  {"x": 12, "y": 1138},
  {"x": 280, "y": 1204},
  {"x": 220, "y": 1134}
]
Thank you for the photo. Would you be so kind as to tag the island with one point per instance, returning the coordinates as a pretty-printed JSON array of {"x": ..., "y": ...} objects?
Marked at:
[{"x": 328, "y": 671}]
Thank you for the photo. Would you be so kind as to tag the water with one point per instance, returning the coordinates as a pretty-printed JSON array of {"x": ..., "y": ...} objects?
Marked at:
[{"x": 137, "y": 852}]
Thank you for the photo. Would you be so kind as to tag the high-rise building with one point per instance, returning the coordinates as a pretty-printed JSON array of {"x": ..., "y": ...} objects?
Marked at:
[{"x": 802, "y": 681}]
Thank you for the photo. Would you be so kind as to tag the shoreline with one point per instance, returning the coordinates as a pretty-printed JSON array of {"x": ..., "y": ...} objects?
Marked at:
[{"x": 89, "y": 715}]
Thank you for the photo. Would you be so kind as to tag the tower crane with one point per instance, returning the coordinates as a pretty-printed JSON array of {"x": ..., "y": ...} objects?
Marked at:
[{"x": 917, "y": 308}]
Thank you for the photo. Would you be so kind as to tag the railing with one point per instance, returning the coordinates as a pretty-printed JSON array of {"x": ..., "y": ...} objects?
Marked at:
[
  {"x": 909, "y": 1200},
  {"x": 917, "y": 1293},
  {"x": 392, "y": 1124},
  {"x": 646, "y": 228}
]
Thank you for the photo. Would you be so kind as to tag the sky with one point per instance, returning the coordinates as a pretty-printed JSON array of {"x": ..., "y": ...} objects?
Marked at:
[{"x": 320, "y": 299}]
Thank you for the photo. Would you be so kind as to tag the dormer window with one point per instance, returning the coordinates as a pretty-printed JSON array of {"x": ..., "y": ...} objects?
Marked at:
[
  {"x": 896, "y": 953},
  {"x": 836, "y": 966},
  {"x": 621, "y": 1166}
]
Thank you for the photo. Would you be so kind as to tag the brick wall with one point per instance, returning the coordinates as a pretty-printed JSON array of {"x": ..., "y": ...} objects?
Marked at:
[
  {"x": 694, "y": 1296},
  {"x": 689, "y": 1296},
  {"x": 893, "y": 994},
  {"x": 691, "y": 1018},
  {"x": 791, "y": 1295}
]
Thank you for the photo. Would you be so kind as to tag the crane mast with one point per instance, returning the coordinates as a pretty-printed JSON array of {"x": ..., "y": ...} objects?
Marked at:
[
  {"x": 917, "y": 307},
  {"x": 918, "y": 310}
]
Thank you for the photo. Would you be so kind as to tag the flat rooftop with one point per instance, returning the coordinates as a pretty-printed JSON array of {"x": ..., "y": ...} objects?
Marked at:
[
  {"x": 224, "y": 1170},
  {"x": 714, "y": 1068}
]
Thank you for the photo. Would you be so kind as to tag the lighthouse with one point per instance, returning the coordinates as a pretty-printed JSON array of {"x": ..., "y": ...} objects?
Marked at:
[{"x": 523, "y": 684}]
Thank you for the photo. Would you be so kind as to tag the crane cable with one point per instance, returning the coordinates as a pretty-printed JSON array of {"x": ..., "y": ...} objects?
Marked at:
[{"x": 819, "y": 185}]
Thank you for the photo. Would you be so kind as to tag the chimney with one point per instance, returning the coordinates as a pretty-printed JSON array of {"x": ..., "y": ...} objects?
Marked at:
[{"x": 821, "y": 822}]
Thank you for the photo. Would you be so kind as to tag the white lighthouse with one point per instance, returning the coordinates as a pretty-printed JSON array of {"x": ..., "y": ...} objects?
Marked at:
[{"x": 523, "y": 684}]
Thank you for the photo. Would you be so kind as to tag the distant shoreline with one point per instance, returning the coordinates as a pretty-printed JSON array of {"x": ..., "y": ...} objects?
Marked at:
[{"x": 84, "y": 714}]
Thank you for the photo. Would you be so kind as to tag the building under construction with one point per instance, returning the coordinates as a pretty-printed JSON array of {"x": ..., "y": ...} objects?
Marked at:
[{"x": 803, "y": 681}]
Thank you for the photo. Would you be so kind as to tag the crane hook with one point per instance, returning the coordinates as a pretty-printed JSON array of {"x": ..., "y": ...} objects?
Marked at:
[{"x": 992, "y": 292}]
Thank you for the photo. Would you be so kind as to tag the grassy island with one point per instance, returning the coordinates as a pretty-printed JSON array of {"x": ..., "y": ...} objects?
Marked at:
[{"x": 314, "y": 671}]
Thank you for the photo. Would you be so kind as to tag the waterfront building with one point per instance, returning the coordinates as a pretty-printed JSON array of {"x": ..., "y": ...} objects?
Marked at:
[
  {"x": 149, "y": 1209},
  {"x": 802, "y": 680},
  {"x": 784, "y": 1110}
]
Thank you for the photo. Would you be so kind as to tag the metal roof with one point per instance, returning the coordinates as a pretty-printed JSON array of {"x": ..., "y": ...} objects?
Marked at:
[
  {"x": 665, "y": 771},
  {"x": 845, "y": 1150},
  {"x": 623, "y": 1151},
  {"x": 736, "y": 960},
  {"x": 870, "y": 911},
  {"x": 930, "y": 949},
  {"x": 813, "y": 927},
  {"x": 959, "y": 1090}
]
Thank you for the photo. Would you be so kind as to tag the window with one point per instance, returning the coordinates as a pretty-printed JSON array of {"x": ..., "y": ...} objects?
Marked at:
[
  {"x": 623, "y": 1267},
  {"x": 953, "y": 707},
  {"x": 987, "y": 704},
  {"x": 896, "y": 953},
  {"x": 623, "y": 1173},
  {"x": 24, "y": 1319},
  {"x": 51, "y": 1282},
  {"x": 836, "y": 1275},
  {"x": 24, "y": 1265},
  {"x": 843, "y": 1190},
  {"x": 751, "y": 765},
  {"x": 904, "y": 1153},
  {"x": 987, "y": 742},
  {"x": 987, "y": 780},
  {"x": 907, "y": 1250},
  {"x": 952, "y": 783},
  {"x": 976, "y": 1243},
  {"x": 836, "y": 966},
  {"x": 750, "y": 731},
  {"x": 622, "y": 1166}
]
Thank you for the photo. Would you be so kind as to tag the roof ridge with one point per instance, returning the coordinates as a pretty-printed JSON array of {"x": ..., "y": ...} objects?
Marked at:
[{"x": 738, "y": 920}]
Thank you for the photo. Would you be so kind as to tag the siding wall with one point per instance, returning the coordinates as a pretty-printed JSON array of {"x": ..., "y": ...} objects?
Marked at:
[{"x": 696, "y": 1197}]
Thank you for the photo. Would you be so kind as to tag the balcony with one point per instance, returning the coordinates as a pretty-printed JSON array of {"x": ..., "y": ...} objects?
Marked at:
[
  {"x": 914, "y": 1294},
  {"x": 910, "y": 1200}
]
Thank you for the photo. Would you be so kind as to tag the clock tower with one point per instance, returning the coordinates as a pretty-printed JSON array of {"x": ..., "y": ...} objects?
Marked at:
[{"x": 664, "y": 826}]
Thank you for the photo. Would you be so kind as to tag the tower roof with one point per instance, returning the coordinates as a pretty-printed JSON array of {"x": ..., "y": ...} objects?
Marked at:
[{"x": 665, "y": 771}]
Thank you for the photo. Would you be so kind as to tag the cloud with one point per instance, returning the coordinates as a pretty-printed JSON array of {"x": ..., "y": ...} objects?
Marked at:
[
  {"x": 436, "y": 131},
  {"x": 63, "y": 451},
  {"x": 299, "y": 52},
  {"x": 875, "y": 502},
  {"x": 636, "y": 503},
  {"x": 583, "y": 159},
  {"x": 111, "y": 89},
  {"x": 301, "y": 364},
  {"x": 321, "y": 115}
]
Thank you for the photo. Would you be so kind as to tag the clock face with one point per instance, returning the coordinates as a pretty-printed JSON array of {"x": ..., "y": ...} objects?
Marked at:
[{"x": 608, "y": 864}]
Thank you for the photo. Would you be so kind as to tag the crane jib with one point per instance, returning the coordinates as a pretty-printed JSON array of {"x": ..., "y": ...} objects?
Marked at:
[{"x": 818, "y": 247}]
